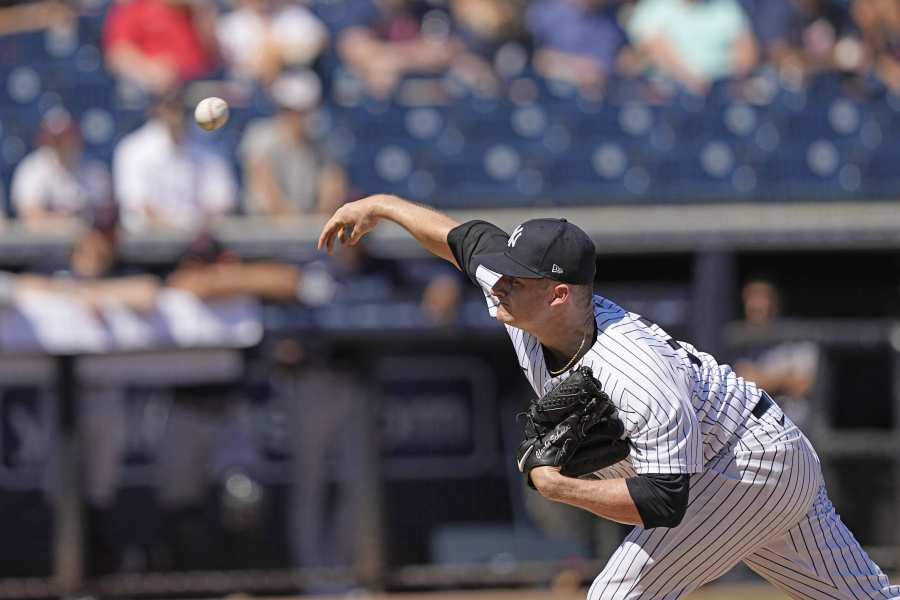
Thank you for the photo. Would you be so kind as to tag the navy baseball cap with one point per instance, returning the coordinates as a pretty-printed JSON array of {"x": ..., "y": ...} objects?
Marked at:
[{"x": 546, "y": 248}]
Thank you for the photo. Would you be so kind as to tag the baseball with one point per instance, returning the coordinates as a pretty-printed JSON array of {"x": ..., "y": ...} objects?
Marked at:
[{"x": 211, "y": 113}]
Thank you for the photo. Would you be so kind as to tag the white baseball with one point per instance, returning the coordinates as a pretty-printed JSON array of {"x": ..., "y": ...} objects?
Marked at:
[{"x": 211, "y": 113}]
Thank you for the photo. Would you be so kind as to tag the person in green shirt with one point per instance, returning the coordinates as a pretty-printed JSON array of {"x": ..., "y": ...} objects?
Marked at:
[{"x": 694, "y": 42}]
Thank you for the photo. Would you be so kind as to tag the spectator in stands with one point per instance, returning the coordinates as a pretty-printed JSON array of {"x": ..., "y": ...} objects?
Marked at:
[
  {"x": 19, "y": 17},
  {"x": 485, "y": 27},
  {"x": 801, "y": 37},
  {"x": 787, "y": 370},
  {"x": 442, "y": 299},
  {"x": 694, "y": 42},
  {"x": 164, "y": 180},
  {"x": 285, "y": 171},
  {"x": 56, "y": 184},
  {"x": 209, "y": 271},
  {"x": 359, "y": 276},
  {"x": 93, "y": 274},
  {"x": 260, "y": 38},
  {"x": 879, "y": 22},
  {"x": 382, "y": 41},
  {"x": 95, "y": 254},
  {"x": 160, "y": 44},
  {"x": 576, "y": 40},
  {"x": 356, "y": 275}
]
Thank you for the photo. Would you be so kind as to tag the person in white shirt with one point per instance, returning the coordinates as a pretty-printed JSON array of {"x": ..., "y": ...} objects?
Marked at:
[
  {"x": 286, "y": 172},
  {"x": 56, "y": 185},
  {"x": 259, "y": 38},
  {"x": 164, "y": 180}
]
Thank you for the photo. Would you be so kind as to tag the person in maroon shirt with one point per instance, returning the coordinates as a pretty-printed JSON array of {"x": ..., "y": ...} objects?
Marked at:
[
  {"x": 160, "y": 44},
  {"x": 381, "y": 41}
]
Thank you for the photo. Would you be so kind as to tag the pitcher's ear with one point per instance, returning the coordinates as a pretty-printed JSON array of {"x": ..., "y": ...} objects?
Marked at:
[{"x": 562, "y": 293}]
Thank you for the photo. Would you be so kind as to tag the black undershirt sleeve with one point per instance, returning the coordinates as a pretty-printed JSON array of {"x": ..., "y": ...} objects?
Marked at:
[
  {"x": 472, "y": 238},
  {"x": 661, "y": 500}
]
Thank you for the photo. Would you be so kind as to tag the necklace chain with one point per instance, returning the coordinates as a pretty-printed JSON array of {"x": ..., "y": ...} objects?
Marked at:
[{"x": 574, "y": 356}]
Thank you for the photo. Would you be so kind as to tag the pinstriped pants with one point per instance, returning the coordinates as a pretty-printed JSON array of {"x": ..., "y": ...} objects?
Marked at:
[{"x": 761, "y": 501}]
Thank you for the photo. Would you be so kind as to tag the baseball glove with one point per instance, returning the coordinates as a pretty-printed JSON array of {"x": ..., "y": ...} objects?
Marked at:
[{"x": 573, "y": 426}]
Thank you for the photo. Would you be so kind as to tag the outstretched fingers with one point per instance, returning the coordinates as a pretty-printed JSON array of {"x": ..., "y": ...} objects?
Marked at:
[
  {"x": 356, "y": 233},
  {"x": 334, "y": 227},
  {"x": 348, "y": 225}
]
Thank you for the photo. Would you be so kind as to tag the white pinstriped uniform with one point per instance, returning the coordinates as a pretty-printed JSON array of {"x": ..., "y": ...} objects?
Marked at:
[{"x": 756, "y": 490}]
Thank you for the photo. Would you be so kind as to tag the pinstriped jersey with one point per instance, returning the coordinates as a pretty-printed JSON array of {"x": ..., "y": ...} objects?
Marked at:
[
  {"x": 756, "y": 492},
  {"x": 679, "y": 406}
]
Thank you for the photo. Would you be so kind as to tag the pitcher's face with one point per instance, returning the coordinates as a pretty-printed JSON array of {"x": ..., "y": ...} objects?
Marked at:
[{"x": 524, "y": 302}]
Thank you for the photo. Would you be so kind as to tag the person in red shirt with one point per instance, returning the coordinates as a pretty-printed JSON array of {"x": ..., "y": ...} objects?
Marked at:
[{"x": 160, "y": 44}]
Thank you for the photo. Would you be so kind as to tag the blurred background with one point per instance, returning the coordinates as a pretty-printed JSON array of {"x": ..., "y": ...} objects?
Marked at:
[{"x": 193, "y": 401}]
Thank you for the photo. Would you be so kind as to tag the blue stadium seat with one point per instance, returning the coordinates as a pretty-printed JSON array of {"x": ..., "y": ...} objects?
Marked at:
[
  {"x": 880, "y": 175},
  {"x": 393, "y": 168},
  {"x": 807, "y": 169},
  {"x": 424, "y": 123},
  {"x": 600, "y": 120},
  {"x": 705, "y": 169},
  {"x": 503, "y": 172},
  {"x": 610, "y": 172}
]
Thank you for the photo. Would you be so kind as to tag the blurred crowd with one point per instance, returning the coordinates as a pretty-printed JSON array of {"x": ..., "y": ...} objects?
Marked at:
[
  {"x": 299, "y": 55},
  {"x": 691, "y": 43}
]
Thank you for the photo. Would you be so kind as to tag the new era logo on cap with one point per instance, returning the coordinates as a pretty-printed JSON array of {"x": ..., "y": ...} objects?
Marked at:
[{"x": 554, "y": 249}]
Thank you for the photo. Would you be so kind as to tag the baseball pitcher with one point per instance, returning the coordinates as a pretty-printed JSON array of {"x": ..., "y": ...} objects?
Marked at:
[{"x": 639, "y": 428}]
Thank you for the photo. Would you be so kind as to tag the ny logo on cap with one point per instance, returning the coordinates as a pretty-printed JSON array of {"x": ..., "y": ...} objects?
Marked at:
[{"x": 515, "y": 236}]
